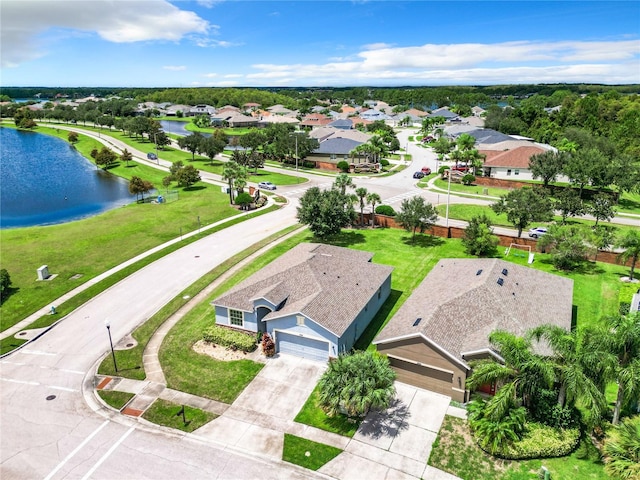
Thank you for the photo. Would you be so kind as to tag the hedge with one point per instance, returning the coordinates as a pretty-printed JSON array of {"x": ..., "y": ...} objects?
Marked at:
[
  {"x": 385, "y": 210},
  {"x": 540, "y": 441},
  {"x": 228, "y": 337}
]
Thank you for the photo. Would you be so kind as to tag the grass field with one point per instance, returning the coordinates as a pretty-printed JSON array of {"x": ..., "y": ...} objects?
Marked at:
[
  {"x": 312, "y": 414},
  {"x": 168, "y": 414},
  {"x": 307, "y": 453},
  {"x": 115, "y": 399}
]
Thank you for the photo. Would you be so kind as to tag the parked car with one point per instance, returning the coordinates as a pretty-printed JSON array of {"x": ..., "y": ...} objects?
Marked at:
[
  {"x": 267, "y": 186},
  {"x": 460, "y": 168},
  {"x": 152, "y": 156},
  {"x": 426, "y": 170},
  {"x": 537, "y": 232},
  {"x": 418, "y": 175}
]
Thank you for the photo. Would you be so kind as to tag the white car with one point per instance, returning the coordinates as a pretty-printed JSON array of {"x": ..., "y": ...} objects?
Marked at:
[
  {"x": 267, "y": 186},
  {"x": 537, "y": 232}
]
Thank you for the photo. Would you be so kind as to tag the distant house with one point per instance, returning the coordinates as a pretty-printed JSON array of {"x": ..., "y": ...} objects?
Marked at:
[
  {"x": 343, "y": 124},
  {"x": 510, "y": 164},
  {"x": 332, "y": 150},
  {"x": 445, "y": 113},
  {"x": 172, "y": 110},
  {"x": 201, "y": 110},
  {"x": 446, "y": 321},
  {"x": 315, "y": 300},
  {"x": 477, "y": 111},
  {"x": 279, "y": 110},
  {"x": 314, "y": 120},
  {"x": 372, "y": 115}
]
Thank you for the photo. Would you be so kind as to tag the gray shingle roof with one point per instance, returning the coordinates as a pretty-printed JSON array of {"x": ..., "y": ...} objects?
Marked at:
[
  {"x": 337, "y": 146},
  {"x": 460, "y": 308},
  {"x": 328, "y": 284}
]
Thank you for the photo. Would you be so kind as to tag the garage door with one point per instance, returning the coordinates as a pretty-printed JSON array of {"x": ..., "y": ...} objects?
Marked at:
[
  {"x": 422, "y": 376},
  {"x": 304, "y": 347}
]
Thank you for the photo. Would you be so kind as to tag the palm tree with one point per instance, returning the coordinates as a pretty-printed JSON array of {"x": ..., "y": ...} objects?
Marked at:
[
  {"x": 572, "y": 361},
  {"x": 373, "y": 199},
  {"x": 622, "y": 450},
  {"x": 618, "y": 348},
  {"x": 520, "y": 376},
  {"x": 342, "y": 182},
  {"x": 362, "y": 193},
  {"x": 233, "y": 173},
  {"x": 630, "y": 241}
]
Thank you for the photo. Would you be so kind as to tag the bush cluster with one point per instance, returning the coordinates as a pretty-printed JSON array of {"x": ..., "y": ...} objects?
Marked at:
[
  {"x": 541, "y": 441},
  {"x": 385, "y": 210},
  {"x": 230, "y": 338}
]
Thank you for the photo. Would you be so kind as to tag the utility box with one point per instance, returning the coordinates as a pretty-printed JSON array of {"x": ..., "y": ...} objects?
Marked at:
[{"x": 43, "y": 272}]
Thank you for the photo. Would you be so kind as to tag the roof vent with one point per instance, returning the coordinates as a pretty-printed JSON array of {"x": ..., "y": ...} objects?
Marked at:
[
  {"x": 500, "y": 281},
  {"x": 478, "y": 272},
  {"x": 505, "y": 272},
  {"x": 418, "y": 320}
]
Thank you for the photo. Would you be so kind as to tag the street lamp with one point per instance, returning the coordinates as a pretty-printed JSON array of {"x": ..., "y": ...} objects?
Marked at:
[
  {"x": 155, "y": 140},
  {"x": 448, "y": 195},
  {"x": 295, "y": 134},
  {"x": 113, "y": 354}
]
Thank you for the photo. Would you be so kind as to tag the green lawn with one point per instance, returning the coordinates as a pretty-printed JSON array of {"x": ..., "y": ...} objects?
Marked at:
[
  {"x": 168, "y": 414},
  {"x": 312, "y": 414},
  {"x": 471, "y": 189},
  {"x": 456, "y": 452},
  {"x": 306, "y": 453},
  {"x": 115, "y": 399}
]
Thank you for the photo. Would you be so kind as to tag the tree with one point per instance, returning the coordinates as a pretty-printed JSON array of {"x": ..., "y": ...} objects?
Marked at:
[
  {"x": 569, "y": 204},
  {"x": 342, "y": 182},
  {"x": 244, "y": 199},
  {"x": 362, "y": 193},
  {"x": 630, "y": 242},
  {"x": 568, "y": 243},
  {"x": 105, "y": 157},
  {"x": 5, "y": 283},
  {"x": 602, "y": 237},
  {"x": 191, "y": 143},
  {"x": 166, "y": 182},
  {"x": 416, "y": 214},
  {"x": 187, "y": 176},
  {"x": 602, "y": 207},
  {"x": 521, "y": 375},
  {"x": 232, "y": 173},
  {"x": 547, "y": 166},
  {"x": 126, "y": 156},
  {"x": 572, "y": 362},
  {"x": 213, "y": 145},
  {"x": 161, "y": 139},
  {"x": 523, "y": 206},
  {"x": 325, "y": 211},
  {"x": 72, "y": 137},
  {"x": 373, "y": 199},
  {"x": 622, "y": 450},
  {"x": 617, "y": 345},
  {"x": 478, "y": 237},
  {"x": 138, "y": 186},
  {"x": 23, "y": 118},
  {"x": 356, "y": 383}
]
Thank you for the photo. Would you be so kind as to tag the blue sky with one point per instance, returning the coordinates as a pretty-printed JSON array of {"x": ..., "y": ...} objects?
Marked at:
[{"x": 156, "y": 43}]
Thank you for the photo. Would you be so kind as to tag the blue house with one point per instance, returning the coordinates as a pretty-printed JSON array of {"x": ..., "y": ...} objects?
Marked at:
[{"x": 315, "y": 300}]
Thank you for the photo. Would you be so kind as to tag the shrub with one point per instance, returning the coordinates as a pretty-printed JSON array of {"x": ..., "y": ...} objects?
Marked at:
[
  {"x": 268, "y": 347},
  {"x": 385, "y": 210},
  {"x": 468, "y": 179},
  {"x": 243, "y": 199},
  {"x": 384, "y": 162},
  {"x": 343, "y": 166},
  {"x": 443, "y": 169},
  {"x": 228, "y": 337}
]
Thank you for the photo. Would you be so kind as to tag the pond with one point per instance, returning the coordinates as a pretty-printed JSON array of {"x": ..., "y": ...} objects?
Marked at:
[
  {"x": 177, "y": 128},
  {"x": 46, "y": 181}
]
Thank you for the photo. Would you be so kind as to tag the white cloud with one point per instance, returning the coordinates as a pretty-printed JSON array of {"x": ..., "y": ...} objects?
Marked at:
[
  {"x": 210, "y": 75},
  {"x": 377, "y": 46},
  {"x": 23, "y": 23},
  {"x": 234, "y": 75},
  {"x": 175, "y": 68},
  {"x": 470, "y": 63}
]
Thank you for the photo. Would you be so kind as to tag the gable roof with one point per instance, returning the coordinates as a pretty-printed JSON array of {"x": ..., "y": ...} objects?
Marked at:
[
  {"x": 328, "y": 284},
  {"x": 443, "y": 112},
  {"x": 517, "y": 158},
  {"x": 337, "y": 146},
  {"x": 323, "y": 133},
  {"x": 460, "y": 303}
]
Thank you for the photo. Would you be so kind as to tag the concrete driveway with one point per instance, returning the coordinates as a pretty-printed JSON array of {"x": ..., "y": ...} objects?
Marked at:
[
  {"x": 258, "y": 418},
  {"x": 395, "y": 443}
]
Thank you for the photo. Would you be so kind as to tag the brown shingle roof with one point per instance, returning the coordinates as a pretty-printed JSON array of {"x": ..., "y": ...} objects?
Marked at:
[
  {"x": 516, "y": 158},
  {"x": 328, "y": 284},
  {"x": 459, "y": 308}
]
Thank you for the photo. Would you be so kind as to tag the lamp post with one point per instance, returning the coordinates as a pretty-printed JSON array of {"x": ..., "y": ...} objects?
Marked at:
[
  {"x": 113, "y": 354},
  {"x": 448, "y": 195},
  {"x": 155, "y": 140},
  {"x": 295, "y": 135}
]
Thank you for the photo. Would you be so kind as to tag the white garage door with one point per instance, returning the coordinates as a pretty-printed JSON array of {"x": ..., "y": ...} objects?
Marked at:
[{"x": 304, "y": 347}]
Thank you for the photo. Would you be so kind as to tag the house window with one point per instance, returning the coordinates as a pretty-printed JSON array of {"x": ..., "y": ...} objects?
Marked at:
[
  {"x": 333, "y": 156},
  {"x": 236, "y": 318},
  {"x": 299, "y": 320},
  {"x": 509, "y": 172},
  {"x": 379, "y": 293},
  {"x": 516, "y": 172}
]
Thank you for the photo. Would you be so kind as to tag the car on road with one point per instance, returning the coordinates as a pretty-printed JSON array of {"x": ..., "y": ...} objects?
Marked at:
[
  {"x": 418, "y": 175},
  {"x": 460, "y": 168},
  {"x": 266, "y": 186},
  {"x": 537, "y": 232},
  {"x": 152, "y": 156},
  {"x": 426, "y": 170}
]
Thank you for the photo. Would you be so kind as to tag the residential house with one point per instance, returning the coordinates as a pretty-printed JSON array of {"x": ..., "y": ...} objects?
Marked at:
[
  {"x": 445, "y": 113},
  {"x": 511, "y": 164},
  {"x": 333, "y": 150},
  {"x": 200, "y": 110},
  {"x": 314, "y": 120},
  {"x": 342, "y": 124},
  {"x": 372, "y": 115},
  {"x": 172, "y": 110},
  {"x": 279, "y": 110},
  {"x": 315, "y": 300},
  {"x": 447, "y": 320},
  {"x": 478, "y": 111}
]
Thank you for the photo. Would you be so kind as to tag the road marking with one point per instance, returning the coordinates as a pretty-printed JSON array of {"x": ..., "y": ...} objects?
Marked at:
[
  {"x": 37, "y": 352},
  {"x": 109, "y": 452},
  {"x": 20, "y": 364},
  {"x": 76, "y": 372},
  {"x": 76, "y": 450},
  {"x": 24, "y": 382},
  {"x": 63, "y": 388}
]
